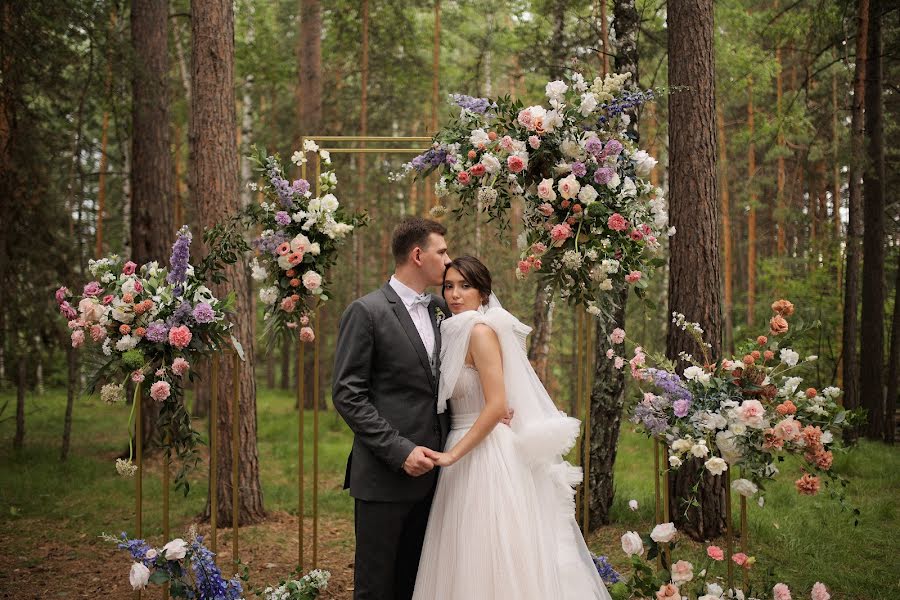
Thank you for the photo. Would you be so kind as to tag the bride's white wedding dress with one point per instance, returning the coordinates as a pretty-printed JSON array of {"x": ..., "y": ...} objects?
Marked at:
[{"x": 502, "y": 524}]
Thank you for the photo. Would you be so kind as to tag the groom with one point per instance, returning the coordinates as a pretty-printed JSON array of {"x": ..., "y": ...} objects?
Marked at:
[{"x": 386, "y": 373}]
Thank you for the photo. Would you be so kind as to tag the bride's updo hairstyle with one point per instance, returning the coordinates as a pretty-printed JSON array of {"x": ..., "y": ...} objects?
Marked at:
[{"x": 475, "y": 274}]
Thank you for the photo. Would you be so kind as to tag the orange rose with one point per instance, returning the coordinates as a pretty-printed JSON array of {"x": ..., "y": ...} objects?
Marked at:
[
  {"x": 783, "y": 307},
  {"x": 778, "y": 325}
]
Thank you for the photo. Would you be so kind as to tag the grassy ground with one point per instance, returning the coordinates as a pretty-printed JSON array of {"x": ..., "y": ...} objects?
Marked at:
[{"x": 51, "y": 512}]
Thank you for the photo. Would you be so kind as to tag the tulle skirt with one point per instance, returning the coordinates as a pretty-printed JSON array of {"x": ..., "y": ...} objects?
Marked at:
[{"x": 497, "y": 529}]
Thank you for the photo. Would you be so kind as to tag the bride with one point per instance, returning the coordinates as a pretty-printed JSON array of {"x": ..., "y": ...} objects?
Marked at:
[{"x": 502, "y": 523}]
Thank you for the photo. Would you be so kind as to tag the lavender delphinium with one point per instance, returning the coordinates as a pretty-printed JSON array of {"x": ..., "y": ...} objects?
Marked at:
[
  {"x": 183, "y": 315},
  {"x": 136, "y": 548},
  {"x": 210, "y": 583},
  {"x": 269, "y": 243},
  {"x": 627, "y": 102},
  {"x": 181, "y": 254},
  {"x": 478, "y": 106},
  {"x": 671, "y": 384},
  {"x": 606, "y": 571}
]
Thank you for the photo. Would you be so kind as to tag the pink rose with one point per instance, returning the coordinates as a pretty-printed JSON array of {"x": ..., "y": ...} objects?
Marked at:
[
  {"x": 715, "y": 553},
  {"x": 534, "y": 141},
  {"x": 307, "y": 334},
  {"x": 61, "y": 294},
  {"x": 538, "y": 248},
  {"x": 820, "y": 592},
  {"x": 129, "y": 268},
  {"x": 618, "y": 336},
  {"x": 288, "y": 304},
  {"x": 524, "y": 267},
  {"x": 787, "y": 429},
  {"x": 617, "y": 222},
  {"x": 545, "y": 190},
  {"x": 180, "y": 366},
  {"x": 560, "y": 233},
  {"x": 67, "y": 311},
  {"x": 545, "y": 209},
  {"x": 138, "y": 286},
  {"x": 506, "y": 143},
  {"x": 137, "y": 376},
  {"x": 751, "y": 413},
  {"x": 160, "y": 390},
  {"x": 98, "y": 333},
  {"x": 77, "y": 338},
  {"x": 526, "y": 120},
  {"x": 312, "y": 280},
  {"x": 668, "y": 592},
  {"x": 107, "y": 299},
  {"x": 515, "y": 164},
  {"x": 781, "y": 592},
  {"x": 682, "y": 572},
  {"x": 463, "y": 177},
  {"x": 92, "y": 289},
  {"x": 633, "y": 277},
  {"x": 180, "y": 336}
]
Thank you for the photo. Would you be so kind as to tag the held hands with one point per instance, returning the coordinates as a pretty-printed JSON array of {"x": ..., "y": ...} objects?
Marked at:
[
  {"x": 441, "y": 459},
  {"x": 510, "y": 413},
  {"x": 418, "y": 462}
]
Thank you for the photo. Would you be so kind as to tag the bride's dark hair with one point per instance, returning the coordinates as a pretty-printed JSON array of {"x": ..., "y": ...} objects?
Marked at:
[{"x": 475, "y": 274}]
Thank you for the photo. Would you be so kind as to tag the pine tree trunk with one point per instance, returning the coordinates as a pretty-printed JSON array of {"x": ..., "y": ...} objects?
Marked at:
[
  {"x": 871, "y": 360},
  {"x": 21, "y": 385},
  {"x": 893, "y": 377},
  {"x": 694, "y": 208},
  {"x": 854, "y": 227},
  {"x": 309, "y": 92},
  {"x": 71, "y": 392},
  {"x": 781, "y": 240},
  {"x": 539, "y": 347},
  {"x": 213, "y": 183},
  {"x": 152, "y": 227},
  {"x": 751, "y": 216},
  {"x": 726, "y": 230}
]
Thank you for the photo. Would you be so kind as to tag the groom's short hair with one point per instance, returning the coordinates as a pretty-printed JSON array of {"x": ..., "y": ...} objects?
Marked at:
[{"x": 412, "y": 232}]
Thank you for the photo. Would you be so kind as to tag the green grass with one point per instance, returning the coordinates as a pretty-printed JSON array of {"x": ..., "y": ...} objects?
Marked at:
[{"x": 802, "y": 539}]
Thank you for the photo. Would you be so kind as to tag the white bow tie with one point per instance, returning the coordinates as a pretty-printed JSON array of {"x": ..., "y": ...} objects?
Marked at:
[{"x": 423, "y": 299}]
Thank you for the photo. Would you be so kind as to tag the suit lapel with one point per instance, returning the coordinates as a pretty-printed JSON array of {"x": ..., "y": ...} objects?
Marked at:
[
  {"x": 410, "y": 329},
  {"x": 432, "y": 308}
]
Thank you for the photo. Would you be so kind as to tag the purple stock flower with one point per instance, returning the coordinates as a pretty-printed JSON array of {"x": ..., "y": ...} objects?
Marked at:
[
  {"x": 578, "y": 169},
  {"x": 181, "y": 254},
  {"x": 157, "y": 332},
  {"x": 671, "y": 384},
  {"x": 430, "y": 158},
  {"x": 604, "y": 175},
  {"x": 282, "y": 218},
  {"x": 681, "y": 407},
  {"x": 475, "y": 105},
  {"x": 300, "y": 186},
  {"x": 283, "y": 189},
  {"x": 593, "y": 146},
  {"x": 204, "y": 313},
  {"x": 271, "y": 242},
  {"x": 92, "y": 289}
]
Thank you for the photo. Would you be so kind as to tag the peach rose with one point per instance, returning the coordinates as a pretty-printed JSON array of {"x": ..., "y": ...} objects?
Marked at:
[
  {"x": 783, "y": 307},
  {"x": 307, "y": 334},
  {"x": 668, "y": 592},
  {"x": 808, "y": 485},
  {"x": 715, "y": 553},
  {"x": 778, "y": 325}
]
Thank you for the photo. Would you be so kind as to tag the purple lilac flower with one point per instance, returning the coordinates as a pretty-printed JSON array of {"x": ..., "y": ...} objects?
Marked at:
[
  {"x": 593, "y": 146},
  {"x": 681, "y": 407},
  {"x": 475, "y": 105},
  {"x": 210, "y": 583},
  {"x": 430, "y": 158},
  {"x": 282, "y": 218},
  {"x": 671, "y": 384},
  {"x": 157, "y": 332},
  {"x": 604, "y": 175},
  {"x": 300, "y": 186},
  {"x": 204, "y": 313},
  {"x": 183, "y": 315},
  {"x": 606, "y": 571},
  {"x": 181, "y": 254},
  {"x": 578, "y": 169},
  {"x": 283, "y": 189}
]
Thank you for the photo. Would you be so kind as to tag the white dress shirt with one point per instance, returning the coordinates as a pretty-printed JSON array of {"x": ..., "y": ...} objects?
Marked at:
[{"x": 418, "y": 312}]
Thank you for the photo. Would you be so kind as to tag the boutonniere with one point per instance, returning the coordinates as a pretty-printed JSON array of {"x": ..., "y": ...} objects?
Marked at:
[{"x": 439, "y": 315}]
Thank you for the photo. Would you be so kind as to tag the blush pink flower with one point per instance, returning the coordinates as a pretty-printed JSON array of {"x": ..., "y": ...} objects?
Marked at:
[
  {"x": 98, "y": 333},
  {"x": 304, "y": 320},
  {"x": 741, "y": 560},
  {"x": 619, "y": 362},
  {"x": 523, "y": 267},
  {"x": 715, "y": 553},
  {"x": 160, "y": 390},
  {"x": 180, "y": 336},
  {"x": 312, "y": 280},
  {"x": 618, "y": 336},
  {"x": 534, "y": 141},
  {"x": 180, "y": 366},
  {"x": 610, "y": 353},
  {"x": 538, "y": 248},
  {"x": 288, "y": 304},
  {"x": 560, "y": 233},
  {"x": 781, "y": 592},
  {"x": 546, "y": 209},
  {"x": 633, "y": 277},
  {"x": 617, "y": 222},
  {"x": 515, "y": 164},
  {"x": 129, "y": 268},
  {"x": 67, "y": 311},
  {"x": 137, "y": 376},
  {"x": 77, "y": 338},
  {"x": 808, "y": 485},
  {"x": 668, "y": 592},
  {"x": 820, "y": 592},
  {"x": 307, "y": 334}
]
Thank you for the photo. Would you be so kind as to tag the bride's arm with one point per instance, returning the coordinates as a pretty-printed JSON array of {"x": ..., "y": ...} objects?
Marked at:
[{"x": 485, "y": 350}]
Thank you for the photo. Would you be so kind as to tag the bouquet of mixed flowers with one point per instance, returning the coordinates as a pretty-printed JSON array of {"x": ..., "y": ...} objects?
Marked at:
[
  {"x": 149, "y": 324},
  {"x": 748, "y": 411},
  {"x": 308, "y": 587},
  {"x": 593, "y": 221},
  {"x": 188, "y": 567},
  {"x": 683, "y": 580},
  {"x": 301, "y": 234}
]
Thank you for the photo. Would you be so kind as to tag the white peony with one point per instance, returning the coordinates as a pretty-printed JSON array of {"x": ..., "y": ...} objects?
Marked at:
[
  {"x": 587, "y": 195},
  {"x": 789, "y": 357},
  {"x": 268, "y": 295},
  {"x": 632, "y": 544},
  {"x": 139, "y": 576},
  {"x": 744, "y": 487},
  {"x": 716, "y": 465},
  {"x": 329, "y": 204},
  {"x": 556, "y": 90},
  {"x": 663, "y": 533},
  {"x": 479, "y": 137},
  {"x": 614, "y": 181},
  {"x": 588, "y": 104},
  {"x": 175, "y": 550},
  {"x": 643, "y": 163}
]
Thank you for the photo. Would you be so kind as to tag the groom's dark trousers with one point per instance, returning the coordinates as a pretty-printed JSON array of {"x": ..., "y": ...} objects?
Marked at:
[{"x": 385, "y": 388}]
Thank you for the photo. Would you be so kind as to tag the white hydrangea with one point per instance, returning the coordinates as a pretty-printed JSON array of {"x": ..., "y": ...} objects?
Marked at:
[{"x": 127, "y": 343}]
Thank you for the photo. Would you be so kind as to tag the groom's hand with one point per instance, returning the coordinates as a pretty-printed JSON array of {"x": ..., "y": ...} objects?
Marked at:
[{"x": 418, "y": 463}]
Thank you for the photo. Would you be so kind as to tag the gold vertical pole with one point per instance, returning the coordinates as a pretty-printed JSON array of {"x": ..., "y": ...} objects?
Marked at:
[
  {"x": 657, "y": 509},
  {"x": 301, "y": 392},
  {"x": 315, "y": 481},
  {"x": 138, "y": 482},
  {"x": 729, "y": 537},
  {"x": 213, "y": 451},
  {"x": 745, "y": 533},
  {"x": 235, "y": 449},
  {"x": 165, "y": 513},
  {"x": 665, "y": 480},
  {"x": 586, "y": 440},
  {"x": 579, "y": 505}
]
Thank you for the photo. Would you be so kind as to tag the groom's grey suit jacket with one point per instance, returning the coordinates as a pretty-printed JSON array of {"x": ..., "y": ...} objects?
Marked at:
[{"x": 386, "y": 391}]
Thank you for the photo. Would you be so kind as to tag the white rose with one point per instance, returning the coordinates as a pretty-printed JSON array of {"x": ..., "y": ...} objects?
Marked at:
[
  {"x": 568, "y": 187},
  {"x": 663, "y": 533},
  {"x": 588, "y": 104},
  {"x": 175, "y": 550},
  {"x": 681, "y": 445},
  {"x": 643, "y": 163},
  {"x": 552, "y": 120},
  {"x": 312, "y": 280},
  {"x": 633, "y": 504},
  {"x": 479, "y": 137},
  {"x": 329, "y": 204},
  {"x": 699, "y": 450},
  {"x": 314, "y": 249},
  {"x": 693, "y": 372},
  {"x": 139, "y": 576},
  {"x": 632, "y": 544},
  {"x": 744, "y": 487},
  {"x": 268, "y": 295},
  {"x": 545, "y": 190},
  {"x": 716, "y": 465},
  {"x": 629, "y": 190},
  {"x": 789, "y": 357},
  {"x": 674, "y": 462},
  {"x": 682, "y": 572},
  {"x": 587, "y": 195},
  {"x": 555, "y": 90},
  {"x": 490, "y": 162}
]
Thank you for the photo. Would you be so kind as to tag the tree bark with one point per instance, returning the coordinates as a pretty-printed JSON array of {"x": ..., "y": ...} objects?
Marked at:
[
  {"x": 152, "y": 230},
  {"x": 871, "y": 369},
  {"x": 213, "y": 183},
  {"x": 893, "y": 377},
  {"x": 71, "y": 392},
  {"x": 21, "y": 385},
  {"x": 310, "y": 58},
  {"x": 695, "y": 278},
  {"x": 751, "y": 216},
  {"x": 726, "y": 230},
  {"x": 539, "y": 347},
  {"x": 854, "y": 227}
]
